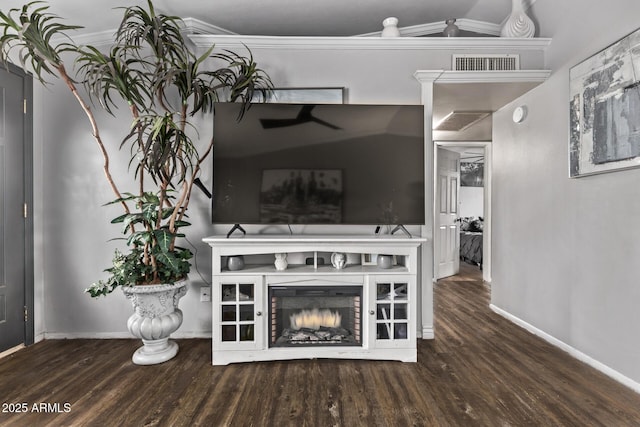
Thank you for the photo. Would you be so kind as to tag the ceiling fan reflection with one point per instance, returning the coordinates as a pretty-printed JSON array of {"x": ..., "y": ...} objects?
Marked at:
[{"x": 304, "y": 116}]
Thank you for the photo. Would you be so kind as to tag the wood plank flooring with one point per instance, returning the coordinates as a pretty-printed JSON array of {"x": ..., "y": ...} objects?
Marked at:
[{"x": 481, "y": 370}]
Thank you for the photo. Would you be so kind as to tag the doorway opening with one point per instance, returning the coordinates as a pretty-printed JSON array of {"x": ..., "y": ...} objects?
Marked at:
[{"x": 472, "y": 201}]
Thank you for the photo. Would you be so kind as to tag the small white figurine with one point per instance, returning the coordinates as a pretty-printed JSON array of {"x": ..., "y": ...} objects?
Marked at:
[
  {"x": 338, "y": 260},
  {"x": 281, "y": 262}
]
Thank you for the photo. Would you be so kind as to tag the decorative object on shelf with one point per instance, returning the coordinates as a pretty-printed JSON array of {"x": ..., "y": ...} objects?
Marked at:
[
  {"x": 603, "y": 110},
  {"x": 235, "y": 262},
  {"x": 451, "y": 30},
  {"x": 518, "y": 25},
  {"x": 156, "y": 316},
  {"x": 338, "y": 260},
  {"x": 385, "y": 261},
  {"x": 390, "y": 27},
  {"x": 281, "y": 262}
]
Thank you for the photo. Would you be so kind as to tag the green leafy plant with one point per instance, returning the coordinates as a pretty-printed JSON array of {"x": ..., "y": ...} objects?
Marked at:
[{"x": 151, "y": 68}]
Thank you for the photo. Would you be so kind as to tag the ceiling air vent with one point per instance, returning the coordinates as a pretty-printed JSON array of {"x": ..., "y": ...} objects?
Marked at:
[
  {"x": 504, "y": 62},
  {"x": 460, "y": 120}
]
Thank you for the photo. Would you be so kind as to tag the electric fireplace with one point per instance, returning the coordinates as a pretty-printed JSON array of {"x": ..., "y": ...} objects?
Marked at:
[
  {"x": 315, "y": 316},
  {"x": 310, "y": 308}
]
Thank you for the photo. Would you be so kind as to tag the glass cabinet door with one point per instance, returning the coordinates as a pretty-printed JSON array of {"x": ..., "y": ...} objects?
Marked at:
[
  {"x": 390, "y": 310},
  {"x": 237, "y": 312}
]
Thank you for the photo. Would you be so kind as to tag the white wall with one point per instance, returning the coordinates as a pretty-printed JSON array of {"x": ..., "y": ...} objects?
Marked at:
[
  {"x": 74, "y": 228},
  {"x": 471, "y": 201},
  {"x": 568, "y": 248}
]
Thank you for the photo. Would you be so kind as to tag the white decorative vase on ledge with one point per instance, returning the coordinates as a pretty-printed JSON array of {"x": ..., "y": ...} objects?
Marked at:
[
  {"x": 156, "y": 317},
  {"x": 518, "y": 25},
  {"x": 390, "y": 27}
]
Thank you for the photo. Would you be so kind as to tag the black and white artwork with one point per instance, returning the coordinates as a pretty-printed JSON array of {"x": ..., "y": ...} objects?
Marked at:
[
  {"x": 604, "y": 110},
  {"x": 471, "y": 174},
  {"x": 294, "y": 196}
]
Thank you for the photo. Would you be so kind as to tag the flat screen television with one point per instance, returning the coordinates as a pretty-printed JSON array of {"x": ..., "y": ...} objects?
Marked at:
[{"x": 318, "y": 164}]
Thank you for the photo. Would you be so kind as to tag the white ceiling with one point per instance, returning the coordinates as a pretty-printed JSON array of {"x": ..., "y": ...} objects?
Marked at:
[
  {"x": 285, "y": 17},
  {"x": 321, "y": 18}
]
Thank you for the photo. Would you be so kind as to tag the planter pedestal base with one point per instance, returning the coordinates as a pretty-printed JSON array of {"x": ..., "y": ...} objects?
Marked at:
[
  {"x": 155, "y": 318},
  {"x": 155, "y": 351}
]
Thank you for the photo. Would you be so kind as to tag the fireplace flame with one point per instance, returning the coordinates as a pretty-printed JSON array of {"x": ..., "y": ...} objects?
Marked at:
[{"x": 314, "y": 319}]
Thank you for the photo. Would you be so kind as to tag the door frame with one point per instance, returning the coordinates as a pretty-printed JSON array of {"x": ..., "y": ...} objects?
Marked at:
[
  {"x": 487, "y": 230},
  {"x": 27, "y": 144}
]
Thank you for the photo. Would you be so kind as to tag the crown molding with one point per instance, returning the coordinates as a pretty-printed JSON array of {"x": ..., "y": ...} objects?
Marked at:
[
  {"x": 105, "y": 38},
  {"x": 196, "y": 26},
  {"x": 102, "y": 38},
  {"x": 427, "y": 76},
  {"x": 372, "y": 43},
  {"x": 421, "y": 30},
  {"x": 515, "y": 76}
]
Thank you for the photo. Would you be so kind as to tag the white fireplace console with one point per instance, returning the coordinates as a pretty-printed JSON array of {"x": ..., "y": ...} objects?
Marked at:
[{"x": 381, "y": 316}]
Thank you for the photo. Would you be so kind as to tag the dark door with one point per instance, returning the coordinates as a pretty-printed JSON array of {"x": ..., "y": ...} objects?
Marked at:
[{"x": 15, "y": 147}]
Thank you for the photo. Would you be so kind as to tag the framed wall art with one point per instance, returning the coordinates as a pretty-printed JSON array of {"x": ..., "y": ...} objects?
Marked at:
[
  {"x": 312, "y": 95},
  {"x": 471, "y": 174},
  {"x": 604, "y": 110}
]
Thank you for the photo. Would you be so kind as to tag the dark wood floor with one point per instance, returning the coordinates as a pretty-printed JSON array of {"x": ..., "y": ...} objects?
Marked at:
[{"x": 481, "y": 370}]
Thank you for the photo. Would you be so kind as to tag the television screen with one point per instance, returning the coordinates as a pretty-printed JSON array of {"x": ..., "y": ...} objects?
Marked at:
[{"x": 318, "y": 164}]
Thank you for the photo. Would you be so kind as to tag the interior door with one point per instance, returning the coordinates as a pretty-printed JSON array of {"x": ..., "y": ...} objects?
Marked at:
[
  {"x": 447, "y": 234},
  {"x": 13, "y": 268}
]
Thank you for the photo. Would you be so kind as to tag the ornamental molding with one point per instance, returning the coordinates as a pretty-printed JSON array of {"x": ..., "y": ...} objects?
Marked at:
[{"x": 495, "y": 44}]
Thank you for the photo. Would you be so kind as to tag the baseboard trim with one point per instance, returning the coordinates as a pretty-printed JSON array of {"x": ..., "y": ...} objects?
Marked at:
[
  {"x": 11, "y": 350},
  {"x": 612, "y": 373},
  {"x": 117, "y": 335},
  {"x": 428, "y": 333}
]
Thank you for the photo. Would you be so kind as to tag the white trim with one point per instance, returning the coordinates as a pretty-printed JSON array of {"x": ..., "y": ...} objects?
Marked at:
[
  {"x": 427, "y": 76},
  {"x": 487, "y": 232},
  {"x": 200, "y": 27},
  {"x": 411, "y": 31},
  {"x": 482, "y": 27},
  {"x": 612, "y": 373},
  {"x": 428, "y": 333},
  {"x": 369, "y": 43},
  {"x": 514, "y": 76},
  {"x": 118, "y": 335},
  {"x": 207, "y": 35},
  {"x": 102, "y": 38},
  {"x": 419, "y": 30},
  {"x": 105, "y": 38},
  {"x": 426, "y": 79},
  {"x": 11, "y": 350}
]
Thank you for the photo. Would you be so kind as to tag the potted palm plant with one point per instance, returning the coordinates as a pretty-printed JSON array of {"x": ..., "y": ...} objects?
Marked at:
[{"x": 152, "y": 71}]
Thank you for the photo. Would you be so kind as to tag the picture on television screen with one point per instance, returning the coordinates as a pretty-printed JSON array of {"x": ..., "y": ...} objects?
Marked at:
[{"x": 301, "y": 196}]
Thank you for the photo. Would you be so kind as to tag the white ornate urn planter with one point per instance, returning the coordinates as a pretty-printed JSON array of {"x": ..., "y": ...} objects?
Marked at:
[{"x": 156, "y": 316}]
